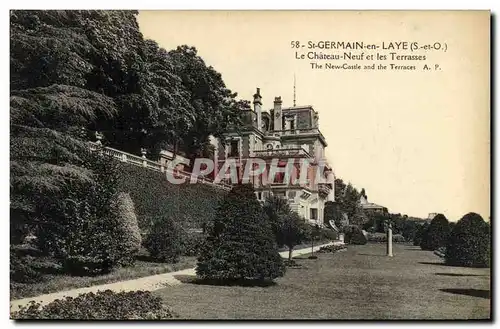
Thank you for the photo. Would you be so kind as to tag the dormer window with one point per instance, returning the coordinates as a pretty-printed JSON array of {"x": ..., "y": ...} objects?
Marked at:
[{"x": 269, "y": 146}]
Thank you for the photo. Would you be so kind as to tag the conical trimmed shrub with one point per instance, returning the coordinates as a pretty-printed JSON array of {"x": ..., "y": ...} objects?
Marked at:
[
  {"x": 469, "y": 243},
  {"x": 436, "y": 235},
  {"x": 241, "y": 244}
]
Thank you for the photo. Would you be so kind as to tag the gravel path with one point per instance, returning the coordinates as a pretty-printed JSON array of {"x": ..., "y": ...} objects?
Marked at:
[{"x": 148, "y": 283}]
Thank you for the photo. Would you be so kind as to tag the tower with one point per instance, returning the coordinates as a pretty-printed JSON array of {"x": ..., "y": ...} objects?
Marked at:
[
  {"x": 278, "y": 123},
  {"x": 257, "y": 105}
]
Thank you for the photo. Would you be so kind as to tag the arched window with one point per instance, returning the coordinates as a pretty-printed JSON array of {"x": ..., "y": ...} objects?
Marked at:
[{"x": 269, "y": 146}]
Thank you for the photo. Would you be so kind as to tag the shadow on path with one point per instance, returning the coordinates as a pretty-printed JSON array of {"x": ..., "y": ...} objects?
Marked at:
[
  {"x": 436, "y": 263},
  {"x": 469, "y": 292},
  {"x": 192, "y": 279},
  {"x": 458, "y": 274}
]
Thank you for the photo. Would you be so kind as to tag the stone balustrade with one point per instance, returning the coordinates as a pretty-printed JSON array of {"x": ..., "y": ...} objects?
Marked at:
[{"x": 142, "y": 161}]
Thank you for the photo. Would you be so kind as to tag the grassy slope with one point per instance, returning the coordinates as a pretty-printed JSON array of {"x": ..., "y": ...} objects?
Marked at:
[{"x": 360, "y": 283}]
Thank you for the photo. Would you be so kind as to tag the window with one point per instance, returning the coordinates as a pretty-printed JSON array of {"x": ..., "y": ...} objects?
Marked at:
[
  {"x": 269, "y": 146},
  {"x": 314, "y": 213},
  {"x": 279, "y": 194},
  {"x": 292, "y": 194},
  {"x": 234, "y": 148},
  {"x": 259, "y": 195}
]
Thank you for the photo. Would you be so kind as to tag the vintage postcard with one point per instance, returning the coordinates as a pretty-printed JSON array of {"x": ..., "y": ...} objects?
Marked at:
[{"x": 244, "y": 165}]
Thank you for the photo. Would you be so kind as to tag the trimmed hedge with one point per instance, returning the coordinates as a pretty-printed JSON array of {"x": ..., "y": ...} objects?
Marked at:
[
  {"x": 103, "y": 305},
  {"x": 154, "y": 196}
]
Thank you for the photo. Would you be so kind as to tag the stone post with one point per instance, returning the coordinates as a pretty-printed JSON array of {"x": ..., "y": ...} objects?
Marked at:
[
  {"x": 389, "y": 240},
  {"x": 144, "y": 152},
  {"x": 98, "y": 137}
]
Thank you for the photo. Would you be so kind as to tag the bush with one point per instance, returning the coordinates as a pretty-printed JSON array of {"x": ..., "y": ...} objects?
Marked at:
[
  {"x": 469, "y": 243},
  {"x": 192, "y": 244},
  {"x": 164, "y": 240},
  {"x": 354, "y": 235},
  {"x": 241, "y": 243},
  {"x": 21, "y": 268},
  {"x": 328, "y": 234},
  {"x": 81, "y": 230},
  {"x": 419, "y": 233},
  {"x": 129, "y": 241},
  {"x": 331, "y": 248},
  {"x": 408, "y": 229},
  {"x": 382, "y": 238},
  {"x": 103, "y": 305},
  {"x": 437, "y": 234}
]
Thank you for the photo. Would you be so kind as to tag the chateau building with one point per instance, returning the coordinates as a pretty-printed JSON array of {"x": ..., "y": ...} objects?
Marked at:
[{"x": 289, "y": 136}]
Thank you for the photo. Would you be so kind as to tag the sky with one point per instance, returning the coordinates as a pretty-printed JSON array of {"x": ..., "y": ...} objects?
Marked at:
[{"x": 417, "y": 140}]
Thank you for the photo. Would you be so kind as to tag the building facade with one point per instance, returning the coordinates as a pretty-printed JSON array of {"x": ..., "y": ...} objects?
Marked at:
[
  {"x": 370, "y": 207},
  {"x": 289, "y": 136}
]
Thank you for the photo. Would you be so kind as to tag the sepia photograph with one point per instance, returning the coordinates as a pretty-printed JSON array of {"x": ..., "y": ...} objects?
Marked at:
[{"x": 180, "y": 165}]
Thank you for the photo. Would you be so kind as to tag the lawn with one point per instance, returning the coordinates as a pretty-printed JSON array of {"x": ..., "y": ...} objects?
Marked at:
[
  {"x": 61, "y": 282},
  {"x": 359, "y": 283}
]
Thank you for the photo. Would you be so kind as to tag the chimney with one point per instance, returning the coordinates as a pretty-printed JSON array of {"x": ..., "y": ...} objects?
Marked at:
[
  {"x": 257, "y": 106},
  {"x": 278, "y": 123}
]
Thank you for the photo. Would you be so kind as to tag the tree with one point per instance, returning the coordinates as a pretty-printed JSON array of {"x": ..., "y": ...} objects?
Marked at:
[
  {"x": 437, "y": 234},
  {"x": 215, "y": 106},
  {"x": 241, "y": 244},
  {"x": 276, "y": 209},
  {"x": 469, "y": 243},
  {"x": 359, "y": 217},
  {"x": 293, "y": 232},
  {"x": 332, "y": 214},
  {"x": 348, "y": 199},
  {"x": 51, "y": 61}
]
